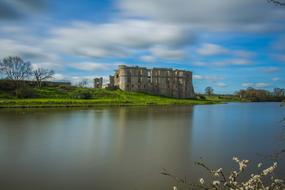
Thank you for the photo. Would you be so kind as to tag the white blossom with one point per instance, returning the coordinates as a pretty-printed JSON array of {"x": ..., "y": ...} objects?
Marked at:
[{"x": 216, "y": 183}]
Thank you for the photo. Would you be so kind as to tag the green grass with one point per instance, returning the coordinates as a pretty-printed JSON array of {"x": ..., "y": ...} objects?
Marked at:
[{"x": 58, "y": 97}]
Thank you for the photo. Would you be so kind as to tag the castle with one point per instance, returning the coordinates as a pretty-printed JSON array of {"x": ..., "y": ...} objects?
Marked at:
[{"x": 157, "y": 81}]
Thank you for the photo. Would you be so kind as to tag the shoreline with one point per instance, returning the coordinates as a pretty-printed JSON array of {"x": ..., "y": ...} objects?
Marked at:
[{"x": 69, "y": 103}]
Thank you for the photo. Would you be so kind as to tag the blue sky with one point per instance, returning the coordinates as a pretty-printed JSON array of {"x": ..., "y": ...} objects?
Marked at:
[{"x": 228, "y": 44}]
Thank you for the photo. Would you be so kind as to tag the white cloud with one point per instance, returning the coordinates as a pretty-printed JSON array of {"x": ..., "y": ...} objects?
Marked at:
[
  {"x": 227, "y": 62},
  {"x": 58, "y": 77},
  {"x": 198, "y": 77},
  {"x": 209, "y": 78},
  {"x": 92, "y": 66},
  {"x": 30, "y": 51},
  {"x": 199, "y": 63},
  {"x": 262, "y": 85},
  {"x": 243, "y": 53},
  {"x": 221, "y": 84},
  {"x": 247, "y": 84},
  {"x": 256, "y": 85},
  {"x": 275, "y": 79},
  {"x": 75, "y": 79},
  {"x": 120, "y": 38},
  {"x": 211, "y": 14},
  {"x": 270, "y": 69},
  {"x": 239, "y": 61},
  {"x": 211, "y": 49},
  {"x": 167, "y": 53},
  {"x": 148, "y": 58},
  {"x": 208, "y": 49}
]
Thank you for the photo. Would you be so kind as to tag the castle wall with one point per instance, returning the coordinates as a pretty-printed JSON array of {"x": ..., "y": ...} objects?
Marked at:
[
  {"x": 158, "y": 81},
  {"x": 98, "y": 82}
]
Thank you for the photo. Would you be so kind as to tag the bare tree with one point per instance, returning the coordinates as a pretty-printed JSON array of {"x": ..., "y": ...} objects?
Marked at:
[
  {"x": 15, "y": 69},
  {"x": 42, "y": 74},
  {"x": 209, "y": 91}
]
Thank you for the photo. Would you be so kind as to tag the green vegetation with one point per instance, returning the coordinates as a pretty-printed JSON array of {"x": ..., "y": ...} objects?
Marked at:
[
  {"x": 71, "y": 96},
  {"x": 260, "y": 95},
  {"x": 18, "y": 90},
  {"x": 67, "y": 96}
]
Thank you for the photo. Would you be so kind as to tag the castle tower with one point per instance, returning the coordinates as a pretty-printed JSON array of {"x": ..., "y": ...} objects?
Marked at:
[{"x": 98, "y": 82}]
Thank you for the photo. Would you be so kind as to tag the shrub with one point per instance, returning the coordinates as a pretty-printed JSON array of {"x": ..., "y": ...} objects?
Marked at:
[
  {"x": 82, "y": 94},
  {"x": 201, "y": 97},
  {"x": 7, "y": 85},
  {"x": 66, "y": 88},
  {"x": 26, "y": 92}
]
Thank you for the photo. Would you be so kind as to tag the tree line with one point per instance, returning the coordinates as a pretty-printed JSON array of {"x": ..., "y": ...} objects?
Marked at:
[
  {"x": 252, "y": 94},
  {"x": 278, "y": 94}
]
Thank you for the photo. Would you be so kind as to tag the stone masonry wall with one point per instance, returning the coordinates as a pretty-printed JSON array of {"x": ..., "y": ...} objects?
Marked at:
[{"x": 157, "y": 81}]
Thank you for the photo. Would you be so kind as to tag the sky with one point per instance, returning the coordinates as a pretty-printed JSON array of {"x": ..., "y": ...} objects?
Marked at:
[{"x": 227, "y": 44}]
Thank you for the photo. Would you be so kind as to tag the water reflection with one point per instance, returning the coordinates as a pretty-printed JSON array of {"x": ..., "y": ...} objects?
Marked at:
[{"x": 126, "y": 147}]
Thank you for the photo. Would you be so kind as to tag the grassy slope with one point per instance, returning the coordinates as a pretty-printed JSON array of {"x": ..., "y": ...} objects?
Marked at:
[{"x": 54, "y": 97}]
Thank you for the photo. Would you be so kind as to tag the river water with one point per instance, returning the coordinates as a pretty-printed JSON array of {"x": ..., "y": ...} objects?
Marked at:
[{"x": 122, "y": 148}]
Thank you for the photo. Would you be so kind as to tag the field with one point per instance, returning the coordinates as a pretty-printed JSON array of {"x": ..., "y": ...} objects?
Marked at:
[{"x": 83, "y": 97}]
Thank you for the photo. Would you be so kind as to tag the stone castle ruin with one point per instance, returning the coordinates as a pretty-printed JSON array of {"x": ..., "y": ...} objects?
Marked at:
[
  {"x": 98, "y": 82},
  {"x": 157, "y": 81}
]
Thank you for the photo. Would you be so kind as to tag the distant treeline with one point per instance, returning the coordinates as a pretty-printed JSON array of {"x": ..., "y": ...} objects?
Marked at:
[
  {"x": 259, "y": 95},
  {"x": 6, "y": 84}
]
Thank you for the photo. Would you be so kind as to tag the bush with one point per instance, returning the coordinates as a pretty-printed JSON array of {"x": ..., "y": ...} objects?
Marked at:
[
  {"x": 201, "y": 97},
  {"x": 26, "y": 92},
  {"x": 65, "y": 88},
  {"x": 7, "y": 85},
  {"x": 83, "y": 94}
]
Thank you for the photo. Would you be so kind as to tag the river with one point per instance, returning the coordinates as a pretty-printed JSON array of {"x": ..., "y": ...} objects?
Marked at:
[{"x": 122, "y": 148}]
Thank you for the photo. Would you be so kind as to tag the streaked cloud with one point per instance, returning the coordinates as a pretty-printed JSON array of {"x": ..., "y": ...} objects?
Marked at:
[
  {"x": 211, "y": 49},
  {"x": 270, "y": 69},
  {"x": 17, "y": 9},
  {"x": 224, "y": 62},
  {"x": 208, "y": 78},
  {"x": 222, "y": 15},
  {"x": 148, "y": 58},
  {"x": 93, "y": 66},
  {"x": 221, "y": 84},
  {"x": 119, "y": 38},
  {"x": 257, "y": 85},
  {"x": 236, "y": 61},
  {"x": 27, "y": 50},
  {"x": 168, "y": 53}
]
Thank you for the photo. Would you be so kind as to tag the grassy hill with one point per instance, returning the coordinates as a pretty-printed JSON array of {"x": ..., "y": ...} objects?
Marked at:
[{"x": 84, "y": 97}]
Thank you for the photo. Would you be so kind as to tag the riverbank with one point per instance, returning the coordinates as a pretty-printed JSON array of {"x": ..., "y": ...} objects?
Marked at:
[
  {"x": 40, "y": 103},
  {"x": 85, "y": 97},
  {"x": 67, "y": 96}
]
